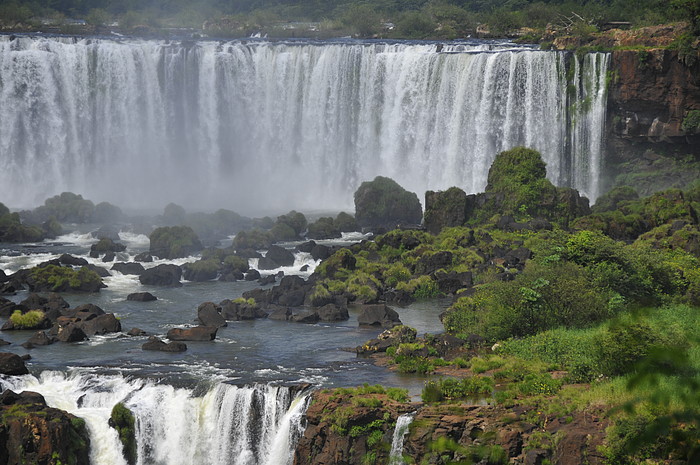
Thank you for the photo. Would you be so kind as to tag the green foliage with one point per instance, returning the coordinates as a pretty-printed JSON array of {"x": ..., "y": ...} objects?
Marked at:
[
  {"x": 28, "y": 320},
  {"x": 415, "y": 25},
  {"x": 438, "y": 390},
  {"x": 122, "y": 419},
  {"x": 382, "y": 202},
  {"x": 174, "y": 242},
  {"x": 61, "y": 279},
  {"x": 323, "y": 228},
  {"x": 255, "y": 239},
  {"x": 422, "y": 287},
  {"x": 67, "y": 207},
  {"x": 691, "y": 122},
  {"x": 12, "y": 229},
  {"x": 345, "y": 222},
  {"x": 295, "y": 220}
]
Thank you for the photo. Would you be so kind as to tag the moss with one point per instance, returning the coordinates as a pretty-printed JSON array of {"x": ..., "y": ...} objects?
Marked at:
[
  {"x": 61, "y": 279},
  {"x": 345, "y": 222},
  {"x": 383, "y": 202},
  {"x": 174, "y": 242},
  {"x": 323, "y": 228},
  {"x": 123, "y": 421},
  {"x": 28, "y": 320}
]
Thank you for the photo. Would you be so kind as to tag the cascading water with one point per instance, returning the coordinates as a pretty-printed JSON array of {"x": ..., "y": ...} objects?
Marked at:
[
  {"x": 400, "y": 431},
  {"x": 226, "y": 425},
  {"x": 248, "y": 125}
]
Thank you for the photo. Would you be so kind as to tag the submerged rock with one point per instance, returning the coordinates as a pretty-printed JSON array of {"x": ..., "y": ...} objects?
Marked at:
[
  {"x": 141, "y": 297},
  {"x": 167, "y": 275},
  {"x": 197, "y": 333},
  {"x": 155, "y": 343}
]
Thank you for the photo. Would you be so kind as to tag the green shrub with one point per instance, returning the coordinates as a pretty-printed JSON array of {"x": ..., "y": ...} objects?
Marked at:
[
  {"x": 123, "y": 421},
  {"x": 55, "y": 278},
  {"x": 691, "y": 122},
  {"x": 29, "y": 320},
  {"x": 450, "y": 388}
]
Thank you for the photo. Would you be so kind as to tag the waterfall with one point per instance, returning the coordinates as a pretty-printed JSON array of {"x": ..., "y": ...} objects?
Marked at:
[
  {"x": 246, "y": 125},
  {"x": 400, "y": 431},
  {"x": 231, "y": 425}
]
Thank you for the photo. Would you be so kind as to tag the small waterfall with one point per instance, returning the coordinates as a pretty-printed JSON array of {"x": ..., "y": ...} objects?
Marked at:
[
  {"x": 208, "y": 119},
  {"x": 227, "y": 425},
  {"x": 402, "y": 423}
]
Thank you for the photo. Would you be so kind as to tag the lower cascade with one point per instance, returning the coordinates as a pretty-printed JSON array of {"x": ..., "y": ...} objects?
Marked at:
[
  {"x": 400, "y": 431},
  {"x": 221, "y": 424}
]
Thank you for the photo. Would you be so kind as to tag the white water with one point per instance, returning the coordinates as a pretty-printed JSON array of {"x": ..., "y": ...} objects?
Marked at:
[
  {"x": 400, "y": 431},
  {"x": 256, "y": 425},
  {"x": 264, "y": 125}
]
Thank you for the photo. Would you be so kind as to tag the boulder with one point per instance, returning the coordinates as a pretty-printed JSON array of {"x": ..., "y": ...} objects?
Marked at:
[
  {"x": 267, "y": 280},
  {"x": 252, "y": 275},
  {"x": 40, "y": 338},
  {"x": 133, "y": 268},
  {"x": 107, "y": 231},
  {"x": 445, "y": 209},
  {"x": 144, "y": 257},
  {"x": 320, "y": 252},
  {"x": 208, "y": 314},
  {"x": 428, "y": 264},
  {"x": 279, "y": 313},
  {"x": 305, "y": 316},
  {"x": 378, "y": 315},
  {"x": 109, "y": 257},
  {"x": 236, "y": 310},
  {"x": 104, "y": 246},
  {"x": 167, "y": 275},
  {"x": 101, "y": 272},
  {"x": 70, "y": 260},
  {"x": 382, "y": 203},
  {"x": 332, "y": 312},
  {"x": 141, "y": 297},
  {"x": 197, "y": 333},
  {"x": 174, "y": 242},
  {"x": 71, "y": 333},
  {"x": 101, "y": 324},
  {"x": 136, "y": 332},
  {"x": 12, "y": 364},
  {"x": 306, "y": 247},
  {"x": 156, "y": 344}
]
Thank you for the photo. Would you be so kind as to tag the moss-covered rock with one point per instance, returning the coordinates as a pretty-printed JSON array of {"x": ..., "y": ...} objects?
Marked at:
[
  {"x": 123, "y": 421},
  {"x": 612, "y": 199},
  {"x": 252, "y": 240},
  {"x": 383, "y": 203},
  {"x": 174, "y": 242},
  {"x": 201, "y": 270},
  {"x": 12, "y": 229},
  {"x": 345, "y": 222},
  {"x": 445, "y": 209},
  {"x": 66, "y": 207},
  {"x": 54, "y": 278},
  {"x": 323, "y": 228}
]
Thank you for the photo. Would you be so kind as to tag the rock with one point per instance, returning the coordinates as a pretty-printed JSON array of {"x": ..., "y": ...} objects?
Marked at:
[
  {"x": 280, "y": 313},
  {"x": 252, "y": 275},
  {"x": 4, "y": 342},
  {"x": 304, "y": 268},
  {"x": 305, "y": 316},
  {"x": 240, "y": 310},
  {"x": 306, "y": 247},
  {"x": 136, "y": 332},
  {"x": 378, "y": 315},
  {"x": 33, "y": 433},
  {"x": 156, "y": 344},
  {"x": 71, "y": 333},
  {"x": 320, "y": 252},
  {"x": 56, "y": 278},
  {"x": 133, "y": 268},
  {"x": 266, "y": 280},
  {"x": 174, "y": 242},
  {"x": 383, "y": 203},
  {"x": 107, "y": 231},
  {"x": 101, "y": 272},
  {"x": 109, "y": 257},
  {"x": 332, "y": 312},
  {"x": 166, "y": 275},
  {"x": 30, "y": 320},
  {"x": 40, "y": 338},
  {"x": 323, "y": 228},
  {"x": 141, "y": 297},
  {"x": 104, "y": 246},
  {"x": 12, "y": 364},
  {"x": 101, "y": 324},
  {"x": 445, "y": 209},
  {"x": 278, "y": 256},
  {"x": 428, "y": 264},
  {"x": 197, "y": 333},
  {"x": 208, "y": 315},
  {"x": 67, "y": 259},
  {"x": 144, "y": 257}
]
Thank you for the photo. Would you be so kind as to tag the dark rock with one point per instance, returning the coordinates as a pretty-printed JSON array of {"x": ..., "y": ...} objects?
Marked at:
[
  {"x": 237, "y": 310},
  {"x": 279, "y": 255},
  {"x": 156, "y": 344},
  {"x": 109, "y": 257},
  {"x": 174, "y": 242},
  {"x": 445, "y": 209},
  {"x": 105, "y": 245},
  {"x": 67, "y": 259},
  {"x": 383, "y": 203},
  {"x": 305, "y": 316},
  {"x": 101, "y": 324},
  {"x": 304, "y": 268},
  {"x": 265, "y": 280},
  {"x": 41, "y": 323},
  {"x": 7, "y": 307},
  {"x": 71, "y": 333},
  {"x": 428, "y": 264},
  {"x": 208, "y": 314},
  {"x": 252, "y": 275},
  {"x": 306, "y": 247},
  {"x": 134, "y": 268},
  {"x": 136, "y": 332},
  {"x": 141, "y": 297},
  {"x": 398, "y": 297},
  {"x": 536, "y": 457},
  {"x": 107, "y": 231},
  {"x": 167, "y": 275},
  {"x": 12, "y": 364},
  {"x": 378, "y": 315},
  {"x": 4, "y": 342},
  {"x": 144, "y": 257},
  {"x": 40, "y": 338},
  {"x": 101, "y": 272},
  {"x": 445, "y": 343},
  {"x": 320, "y": 252},
  {"x": 9, "y": 288},
  {"x": 332, "y": 312},
  {"x": 197, "y": 333},
  {"x": 280, "y": 313}
]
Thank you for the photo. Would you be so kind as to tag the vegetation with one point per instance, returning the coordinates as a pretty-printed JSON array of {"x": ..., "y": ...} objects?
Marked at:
[
  {"x": 174, "y": 242},
  {"x": 31, "y": 320},
  {"x": 54, "y": 278},
  {"x": 123, "y": 421},
  {"x": 383, "y": 203}
]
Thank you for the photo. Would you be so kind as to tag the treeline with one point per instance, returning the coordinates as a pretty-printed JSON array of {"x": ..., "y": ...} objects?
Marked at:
[{"x": 444, "y": 19}]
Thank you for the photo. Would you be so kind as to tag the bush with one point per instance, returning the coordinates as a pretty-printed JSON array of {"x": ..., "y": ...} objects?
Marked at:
[
  {"x": 30, "y": 320},
  {"x": 53, "y": 278},
  {"x": 122, "y": 419},
  {"x": 451, "y": 388}
]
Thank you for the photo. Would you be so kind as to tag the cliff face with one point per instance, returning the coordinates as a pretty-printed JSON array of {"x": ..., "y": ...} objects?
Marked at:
[
  {"x": 652, "y": 91},
  {"x": 31, "y": 432}
]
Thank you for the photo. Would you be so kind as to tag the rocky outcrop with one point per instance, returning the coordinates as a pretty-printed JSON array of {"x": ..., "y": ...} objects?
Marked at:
[
  {"x": 166, "y": 275},
  {"x": 32, "y": 432},
  {"x": 378, "y": 315},
  {"x": 382, "y": 203},
  {"x": 209, "y": 314},
  {"x": 141, "y": 297},
  {"x": 12, "y": 364},
  {"x": 197, "y": 333},
  {"x": 155, "y": 343}
]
